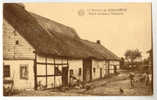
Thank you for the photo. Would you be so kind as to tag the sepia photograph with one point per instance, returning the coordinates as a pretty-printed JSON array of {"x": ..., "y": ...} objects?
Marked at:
[{"x": 77, "y": 49}]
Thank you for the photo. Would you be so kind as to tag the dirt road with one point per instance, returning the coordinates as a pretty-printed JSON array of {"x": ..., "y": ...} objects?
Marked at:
[{"x": 104, "y": 87}]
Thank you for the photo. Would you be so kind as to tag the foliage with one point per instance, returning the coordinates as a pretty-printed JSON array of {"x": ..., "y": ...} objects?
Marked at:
[{"x": 132, "y": 55}]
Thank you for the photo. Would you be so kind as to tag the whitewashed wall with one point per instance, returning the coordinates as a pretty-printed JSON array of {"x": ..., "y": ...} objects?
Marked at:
[
  {"x": 75, "y": 64},
  {"x": 104, "y": 65},
  {"x": 111, "y": 70},
  {"x": 15, "y": 73},
  {"x": 11, "y": 50},
  {"x": 97, "y": 65}
]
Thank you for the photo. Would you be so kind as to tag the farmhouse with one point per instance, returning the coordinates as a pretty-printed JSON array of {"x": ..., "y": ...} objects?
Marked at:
[{"x": 41, "y": 53}]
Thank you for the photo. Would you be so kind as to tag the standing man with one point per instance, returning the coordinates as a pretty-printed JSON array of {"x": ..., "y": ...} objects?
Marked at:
[
  {"x": 131, "y": 77},
  {"x": 146, "y": 76}
]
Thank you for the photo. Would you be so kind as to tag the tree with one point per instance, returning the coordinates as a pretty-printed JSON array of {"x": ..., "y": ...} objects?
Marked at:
[{"x": 132, "y": 55}]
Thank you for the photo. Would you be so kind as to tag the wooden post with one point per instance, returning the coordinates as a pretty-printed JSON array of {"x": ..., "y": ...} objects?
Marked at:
[
  {"x": 109, "y": 68},
  {"x": 35, "y": 71},
  {"x": 54, "y": 73},
  {"x": 68, "y": 70},
  {"x": 46, "y": 69},
  {"x": 62, "y": 61}
]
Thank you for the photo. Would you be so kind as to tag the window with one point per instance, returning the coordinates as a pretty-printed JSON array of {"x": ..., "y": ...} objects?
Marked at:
[
  {"x": 6, "y": 71},
  {"x": 79, "y": 73},
  {"x": 24, "y": 72},
  {"x": 17, "y": 42},
  {"x": 94, "y": 70}
]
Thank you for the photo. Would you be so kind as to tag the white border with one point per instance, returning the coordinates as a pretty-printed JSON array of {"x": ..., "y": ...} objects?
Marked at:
[
  {"x": 76, "y": 0},
  {"x": 154, "y": 97},
  {"x": 1, "y": 53}
]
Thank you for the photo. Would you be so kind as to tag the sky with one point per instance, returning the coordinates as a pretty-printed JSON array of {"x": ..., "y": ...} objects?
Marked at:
[{"x": 119, "y": 26}]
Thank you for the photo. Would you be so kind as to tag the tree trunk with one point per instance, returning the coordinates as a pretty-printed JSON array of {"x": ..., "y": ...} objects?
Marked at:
[{"x": 132, "y": 64}]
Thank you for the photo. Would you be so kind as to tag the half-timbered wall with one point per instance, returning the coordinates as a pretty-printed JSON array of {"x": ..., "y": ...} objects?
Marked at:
[
  {"x": 113, "y": 64},
  {"x": 46, "y": 73}
]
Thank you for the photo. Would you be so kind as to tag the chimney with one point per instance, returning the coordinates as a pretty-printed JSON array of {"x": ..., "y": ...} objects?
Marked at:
[{"x": 98, "y": 42}]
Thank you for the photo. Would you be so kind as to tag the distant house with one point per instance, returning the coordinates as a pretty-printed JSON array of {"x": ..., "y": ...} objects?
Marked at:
[{"x": 41, "y": 53}]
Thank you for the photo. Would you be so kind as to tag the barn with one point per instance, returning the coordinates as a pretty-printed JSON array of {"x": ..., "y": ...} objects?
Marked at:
[{"x": 39, "y": 53}]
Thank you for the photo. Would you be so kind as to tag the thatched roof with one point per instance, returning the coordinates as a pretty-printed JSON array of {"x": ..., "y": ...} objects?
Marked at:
[
  {"x": 55, "y": 27},
  {"x": 101, "y": 49},
  {"x": 49, "y": 37}
]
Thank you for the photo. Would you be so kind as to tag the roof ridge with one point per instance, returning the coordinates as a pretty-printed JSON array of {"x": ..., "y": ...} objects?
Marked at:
[
  {"x": 58, "y": 26},
  {"x": 102, "y": 46}
]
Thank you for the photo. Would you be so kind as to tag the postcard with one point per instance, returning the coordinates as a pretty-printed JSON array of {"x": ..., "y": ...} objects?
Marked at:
[{"x": 77, "y": 49}]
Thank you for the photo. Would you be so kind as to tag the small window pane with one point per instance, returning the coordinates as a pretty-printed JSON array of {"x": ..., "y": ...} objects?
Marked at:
[
  {"x": 94, "y": 70},
  {"x": 24, "y": 72},
  {"x": 17, "y": 42},
  {"x": 6, "y": 71},
  {"x": 79, "y": 72}
]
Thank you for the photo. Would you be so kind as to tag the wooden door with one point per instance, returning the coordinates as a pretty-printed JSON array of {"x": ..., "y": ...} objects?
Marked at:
[
  {"x": 65, "y": 76},
  {"x": 87, "y": 70},
  {"x": 115, "y": 69},
  {"x": 100, "y": 72}
]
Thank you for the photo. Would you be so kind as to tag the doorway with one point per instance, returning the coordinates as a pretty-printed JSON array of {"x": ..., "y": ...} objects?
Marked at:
[
  {"x": 87, "y": 70},
  {"x": 100, "y": 72},
  {"x": 65, "y": 76},
  {"x": 115, "y": 69}
]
